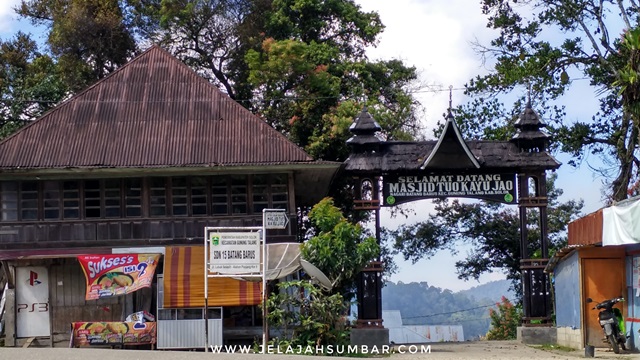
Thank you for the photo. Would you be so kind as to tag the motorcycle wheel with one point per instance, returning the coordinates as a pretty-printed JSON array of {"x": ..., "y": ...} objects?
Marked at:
[{"x": 614, "y": 343}]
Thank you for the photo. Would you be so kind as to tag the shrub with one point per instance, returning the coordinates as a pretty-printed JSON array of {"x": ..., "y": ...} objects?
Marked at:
[{"x": 504, "y": 321}]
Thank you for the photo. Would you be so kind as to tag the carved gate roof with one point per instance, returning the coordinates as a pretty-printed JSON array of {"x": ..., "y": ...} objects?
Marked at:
[{"x": 449, "y": 152}]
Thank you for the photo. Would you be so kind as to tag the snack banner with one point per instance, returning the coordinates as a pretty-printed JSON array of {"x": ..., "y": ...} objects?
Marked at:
[
  {"x": 112, "y": 275},
  {"x": 107, "y": 333}
]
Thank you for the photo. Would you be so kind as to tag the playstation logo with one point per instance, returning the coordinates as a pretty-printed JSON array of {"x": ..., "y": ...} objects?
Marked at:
[{"x": 33, "y": 279}]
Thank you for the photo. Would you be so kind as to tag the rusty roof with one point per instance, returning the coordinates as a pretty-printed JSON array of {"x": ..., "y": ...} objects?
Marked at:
[{"x": 152, "y": 112}]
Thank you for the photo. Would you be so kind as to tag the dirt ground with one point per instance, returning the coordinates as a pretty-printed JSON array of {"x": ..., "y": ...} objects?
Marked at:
[
  {"x": 505, "y": 350},
  {"x": 466, "y": 350}
]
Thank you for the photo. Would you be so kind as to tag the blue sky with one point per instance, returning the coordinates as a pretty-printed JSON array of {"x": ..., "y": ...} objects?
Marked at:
[{"x": 435, "y": 36}]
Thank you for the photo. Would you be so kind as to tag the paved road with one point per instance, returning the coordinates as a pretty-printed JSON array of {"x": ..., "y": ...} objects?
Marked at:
[{"x": 467, "y": 350}]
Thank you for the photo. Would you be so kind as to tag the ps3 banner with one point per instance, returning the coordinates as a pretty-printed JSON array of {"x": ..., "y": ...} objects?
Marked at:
[{"x": 405, "y": 188}]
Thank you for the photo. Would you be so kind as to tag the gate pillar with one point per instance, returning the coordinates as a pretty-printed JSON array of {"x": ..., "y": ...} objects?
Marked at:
[
  {"x": 369, "y": 329},
  {"x": 532, "y": 194}
]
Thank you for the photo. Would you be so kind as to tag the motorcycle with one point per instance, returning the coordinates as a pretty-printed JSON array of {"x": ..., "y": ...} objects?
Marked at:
[{"x": 612, "y": 323}]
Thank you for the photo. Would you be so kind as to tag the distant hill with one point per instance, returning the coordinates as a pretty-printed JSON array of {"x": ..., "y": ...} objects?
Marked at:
[
  {"x": 492, "y": 291},
  {"x": 422, "y": 304}
]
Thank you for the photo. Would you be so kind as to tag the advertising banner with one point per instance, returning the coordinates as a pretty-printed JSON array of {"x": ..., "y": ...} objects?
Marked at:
[
  {"x": 112, "y": 275},
  {"x": 234, "y": 253},
  {"x": 110, "y": 333},
  {"x": 494, "y": 187}
]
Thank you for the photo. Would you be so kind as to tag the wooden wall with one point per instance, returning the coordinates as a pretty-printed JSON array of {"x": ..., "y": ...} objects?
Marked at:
[{"x": 67, "y": 286}]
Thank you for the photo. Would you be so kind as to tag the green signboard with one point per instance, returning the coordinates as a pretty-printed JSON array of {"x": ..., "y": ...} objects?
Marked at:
[{"x": 494, "y": 187}]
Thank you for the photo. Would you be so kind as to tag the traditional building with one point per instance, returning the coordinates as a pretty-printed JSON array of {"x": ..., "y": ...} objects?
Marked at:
[{"x": 138, "y": 163}]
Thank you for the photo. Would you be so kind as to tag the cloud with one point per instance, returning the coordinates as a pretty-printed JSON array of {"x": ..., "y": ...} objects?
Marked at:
[
  {"x": 7, "y": 15},
  {"x": 434, "y": 36}
]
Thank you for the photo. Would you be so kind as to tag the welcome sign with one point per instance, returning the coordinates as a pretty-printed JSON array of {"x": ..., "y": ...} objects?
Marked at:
[{"x": 405, "y": 188}]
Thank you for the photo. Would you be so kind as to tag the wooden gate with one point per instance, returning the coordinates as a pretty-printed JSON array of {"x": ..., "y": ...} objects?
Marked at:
[{"x": 602, "y": 279}]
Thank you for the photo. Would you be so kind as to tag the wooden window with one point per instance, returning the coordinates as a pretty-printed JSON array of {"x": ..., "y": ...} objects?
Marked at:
[
  {"x": 219, "y": 195},
  {"x": 71, "y": 199},
  {"x": 9, "y": 201},
  {"x": 112, "y": 198},
  {"x": 92, "y": 203},
  {"x": 157, "y": 196},
  {"x": 239, "y": 194},
  {"x": 280, "y": 191},
  {"x": 133, "y": 197},
  {"x": 260, "y": 192},
  {"x": 179, "y": 196},
  {"x": 51, "y": 200},
  {"x": 29, "y": 200},
  {"x": 198, "y": 196}
]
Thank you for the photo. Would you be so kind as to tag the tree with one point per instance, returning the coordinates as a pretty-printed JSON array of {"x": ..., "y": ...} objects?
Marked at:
[
  {"x": 30, "y": 83},
  {"x": 524, "y": 56},
  {"x": 337, "y": 247},
  {"x": 299, "y": 64},
  {"x": 490, "y": 228},
  {"x": 89, "y": 38},
  {"x": 308, "y": 315}
]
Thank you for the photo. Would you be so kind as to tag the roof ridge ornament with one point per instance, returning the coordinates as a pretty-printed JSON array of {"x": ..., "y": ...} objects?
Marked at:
[
  {"x": 364, "y": 129},
  {"x": 530, "y": 135},
  {"x": 450, "y": 140}
]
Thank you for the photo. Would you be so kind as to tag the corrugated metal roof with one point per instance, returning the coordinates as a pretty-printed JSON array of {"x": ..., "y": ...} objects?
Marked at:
[
  {"x": 586, "y": 230},
  {"x": 152, "y": 112}
]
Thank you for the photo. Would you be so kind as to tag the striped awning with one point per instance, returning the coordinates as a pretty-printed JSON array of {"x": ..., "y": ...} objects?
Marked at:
[{"x": 184, "y": 282}]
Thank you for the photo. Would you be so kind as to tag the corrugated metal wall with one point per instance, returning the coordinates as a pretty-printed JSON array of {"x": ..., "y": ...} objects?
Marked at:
[
  {"x": 567, "y": 292},
  {"x": 586, "y": 230},
  {"x": 67, "y": 298},
  {"x": 187, "y": 334}
]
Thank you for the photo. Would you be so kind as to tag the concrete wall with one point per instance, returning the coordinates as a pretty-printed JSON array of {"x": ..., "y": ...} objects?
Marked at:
[
  {"x": 570, "y": 337},
  {"x": 567, "y": 292}
]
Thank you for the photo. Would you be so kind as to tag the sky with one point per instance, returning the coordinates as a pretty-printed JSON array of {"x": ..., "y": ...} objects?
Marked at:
[{"x": 435, "y": 37}]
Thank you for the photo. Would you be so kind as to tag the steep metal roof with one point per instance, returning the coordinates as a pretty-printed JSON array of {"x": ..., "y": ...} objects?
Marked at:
[{"x": 152, "y": 112}]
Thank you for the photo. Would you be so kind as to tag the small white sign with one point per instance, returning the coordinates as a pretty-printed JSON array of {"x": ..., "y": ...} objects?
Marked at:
[
  {"x": 32, "y": 301},
  {"x": 234, "y": 253},
  {"x": 275, "y": 220}
]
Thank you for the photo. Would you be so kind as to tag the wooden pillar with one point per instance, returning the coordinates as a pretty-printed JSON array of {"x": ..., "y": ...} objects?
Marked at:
[
  {"x": 536, "y": 287},
  {"x": 369, "y": 294}
]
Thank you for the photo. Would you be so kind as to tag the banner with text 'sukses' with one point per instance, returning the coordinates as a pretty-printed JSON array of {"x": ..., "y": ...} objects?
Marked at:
[{"x": 112, "y": 275}]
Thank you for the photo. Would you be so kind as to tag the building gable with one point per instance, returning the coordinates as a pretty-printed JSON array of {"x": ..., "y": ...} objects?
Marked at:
[{"x": 152, "y": 112}]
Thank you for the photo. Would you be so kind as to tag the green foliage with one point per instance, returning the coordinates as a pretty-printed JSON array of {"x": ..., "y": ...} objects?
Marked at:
[
  {"x": 307, "y": 316},
  {"x": 491, "y": 229},
  {"x": 338, "y": 248},
  {"x": 504, "y": 321},
  {"x": 529, "y": 55},
  {"x": 30, "y": 83},
  {"x": 90, "y": 38}
]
